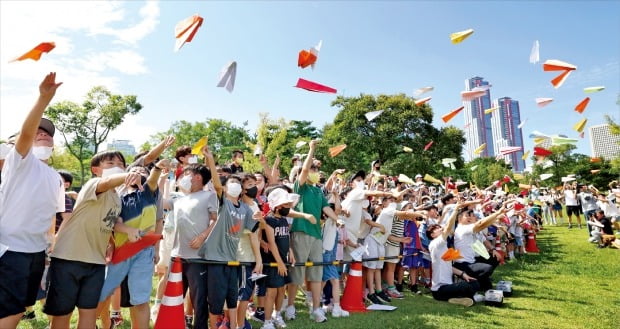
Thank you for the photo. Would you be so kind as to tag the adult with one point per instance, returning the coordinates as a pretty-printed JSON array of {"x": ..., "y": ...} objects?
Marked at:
[
  {"x": 26, "y": 220},
  {"x": 572, "y": 204}
]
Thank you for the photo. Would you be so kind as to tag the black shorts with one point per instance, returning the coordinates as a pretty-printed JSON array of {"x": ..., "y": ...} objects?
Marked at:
[
  {"x": 273, "y": 279},
  {"x": 73, "y": 284},
  {"x": 222, "y": 286},
  {"x": 573, "y": 210},
  {"x": 20, "y": 278}
]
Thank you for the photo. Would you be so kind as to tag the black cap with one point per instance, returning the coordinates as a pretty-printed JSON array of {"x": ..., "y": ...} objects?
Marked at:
[
  {"x": 48, "y": 126},
  {"x": 360, "y": 173}
]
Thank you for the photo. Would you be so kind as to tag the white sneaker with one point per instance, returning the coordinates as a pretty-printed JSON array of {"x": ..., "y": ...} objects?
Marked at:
[
  {"x": 279, "y": 322},
  {"x": 154, "y": 312},
  {"x": 268, "y": 325},
  {"x": 479, "y": 298},
  {"x": 290, "y": 313},
  {"x": 284, "y": 304},
  {"x": 338, "y": 312},
  {"x": 467, "y": 302},
  {"x": 318, "y": 316}
]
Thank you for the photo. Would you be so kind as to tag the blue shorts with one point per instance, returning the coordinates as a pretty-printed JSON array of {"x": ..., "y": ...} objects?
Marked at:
[
  {"x": 330, "y": 271},
  {"x": 413, "y": 260},
  {"x": 246, "y": 286},
  {"x": 519, "y": 241},
  {"x": 139, "y": 268}
]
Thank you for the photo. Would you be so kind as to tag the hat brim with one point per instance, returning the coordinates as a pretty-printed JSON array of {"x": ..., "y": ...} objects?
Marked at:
[{"x": 48, "y": 126}]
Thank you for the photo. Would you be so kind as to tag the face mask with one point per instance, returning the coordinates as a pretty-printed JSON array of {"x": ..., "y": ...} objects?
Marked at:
[
  {"x": 365, "y": 204},
  {"x": 192, "y": 160},
  {"x": 142, "y": 182},
  {"x": 391, "y": 205},
  {"x": 239, "y": 161},
  {"x": 4, "y": 150},
  {"x": 284, "y": 211},
  {"x": 42, "y": 152},
  {"x": 313, "y": 177},
  {"x": 111, "y": 171},
  {"x": 359, "y": 184},
  {"x": 251, "y": 192},
  {"x": 185, "y": 183},
  {"x": 233, "y": 189}
]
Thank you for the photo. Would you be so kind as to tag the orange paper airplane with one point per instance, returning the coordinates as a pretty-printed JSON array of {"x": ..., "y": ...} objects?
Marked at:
[
  {"x": 36, "y": 52},
  {"x": 422, "y": 101},
  {"x": 447, "y": 117},
  {"x": 582, "y": 105},
  {"x": 185, "y": 30},
  {"x": 308, "y": 57},
  {"x": 334, "y": 151},
  {"x": 451, "y": 254}
]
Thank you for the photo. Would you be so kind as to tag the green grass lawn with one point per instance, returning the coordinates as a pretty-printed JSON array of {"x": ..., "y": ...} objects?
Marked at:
[{"x": 570, "y": 284}]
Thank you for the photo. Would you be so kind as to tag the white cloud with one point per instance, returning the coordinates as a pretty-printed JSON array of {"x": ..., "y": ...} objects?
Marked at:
[
  {"x": 134, "y": 130},
  {"x": 91, "y": 49}
]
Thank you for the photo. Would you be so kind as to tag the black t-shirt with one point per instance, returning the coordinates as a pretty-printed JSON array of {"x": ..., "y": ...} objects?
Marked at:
[
  {"x": 281, "y": 235},
  {"x": 607, "y": 229}
]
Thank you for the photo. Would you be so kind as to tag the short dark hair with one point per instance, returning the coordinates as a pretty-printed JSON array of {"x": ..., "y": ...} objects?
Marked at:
[
  {"x": 430, "y": 229},
  {"x": 233, "y": 176},
  {"x": 247, "y": 177},
  {"x": 197, "y": 168},
  {"x": 106, "y": 155},
  {"x": 447, "y": 198},
  {"x": 66, "y": 176},
  {"x": 236, "y": 152},
  {"x": 182, "y": 151}
]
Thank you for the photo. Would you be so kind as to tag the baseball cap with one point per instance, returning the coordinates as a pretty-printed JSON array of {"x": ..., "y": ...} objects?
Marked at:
[
  {"x": 360, "y": 173},
  {"x": 418, "y": 176},
  {"x": 48, "y": 126},
  {"x": 279, "y": 197}
]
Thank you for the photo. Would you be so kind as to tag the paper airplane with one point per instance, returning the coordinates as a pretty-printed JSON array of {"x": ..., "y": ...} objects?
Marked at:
[
  {"x": 431, "y": 179},
  {"x": 197, "y": 148},
  {"x": 542, "y": 102},
  {"x": 557, "y": 65},
  {"x": 482, "y": 88},
  {"x": 539, "y": 140},
  {"x": 557, "y": 140},
  {"x": 491, "y": 110},
  {"x": 535, "y": 53},
  {"x": 227, "y": 76},
  {"x": 525, "y": 155},
  {"x": 558, "y": 81},
  {"x": 505, "y": 150},
  {"x": 334, "y": 151},
  {"x": 379, "y": 307},
  {"x": 407, "y": 149},
  {"x": 522, "y": 124},
  {"x": 480, "y": 148},
  {"x": 547, "y": 164},
  {"x": 473, "y": 168},
  {"x": 315, "y": 87},
  {"x": 580, "y": 125},
  {"x": 539, "y": 151},
  {"x": 537, "y": 133},
  {"x": 589, "y": 90},
  {"x": 372, "y": 115},
  {"x": 422, "y": 101},
  {"x": 568, "y": 179},
  {"x": 582, "y": 105},
  {"x": 422, "y": 91},
  {"x": 458, "y": 37},
  {"x": 300, "y": 144},
  {"x": 309, "y": 57},
  {"x": 36, "y": 52},
  {"x": 595, "y": 171},
  {"x": 447, "y": 117},
  {"x": 472, "y": 94},
  {"x": 185, "y": 30},
  {"x": 595, "y": 160},
  {"x": 448, "y": 162},
  {"x": 428, "y": 146},
  {"x": 405, "y": 179}
]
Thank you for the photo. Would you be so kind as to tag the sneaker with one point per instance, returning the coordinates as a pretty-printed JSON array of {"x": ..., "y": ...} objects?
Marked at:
[
  {"x": 414, "y": 289},
  {"x": 383, "y": 297},
  {"x": 372, "y": 298},
  {"x": 570, "y": 225},
  {"x": 279, "y": 322},
  {"x": 268, "y": 325},
  {"x": 338, "y": 312},
  {"x": 154, "y": 312},
  {"x": 29, "y": 315},
  {"x": 318, "y": 316},
  {"x": 467, "y": 302},
  {"x": 247, "y": 324},
  {"x": 393, "y": 293},
  {"x": 479, "y": 298},
  {"x": 290, "y": 313},
  {"x": 399, "y": 287},
  {"x": 116, "y": 320},
  {"x": 259, "y": 316}
]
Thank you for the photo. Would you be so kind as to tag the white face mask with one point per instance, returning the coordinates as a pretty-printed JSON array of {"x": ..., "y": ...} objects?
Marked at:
[
  {"x": 192, "y": 160},
  {"x": 185, "y": 183},
  {"x": 42, "y": 152},
  {"x": 233, "y": 189},
  {"x": 360, "y": 184},
  {"x": 111, "y": 171},
  {"x": 4, "y": 150},
  {"x": 391, "y": 206},
  {"x": 365, "y": 204}
]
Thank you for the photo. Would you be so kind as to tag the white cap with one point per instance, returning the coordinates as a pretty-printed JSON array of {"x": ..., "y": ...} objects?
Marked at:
[
  {"x": 418, "y": 176},
  {"x": 279, "y": 197}
]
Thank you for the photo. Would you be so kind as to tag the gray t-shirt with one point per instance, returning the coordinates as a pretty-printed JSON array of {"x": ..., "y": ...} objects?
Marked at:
[
  {"x": 223, "y": 241},
  {"x": 191, "y": 216}
]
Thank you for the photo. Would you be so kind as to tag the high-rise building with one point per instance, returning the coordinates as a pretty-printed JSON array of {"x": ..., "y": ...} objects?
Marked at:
[
  {"x": 123, "y": 146},
  {"x": 506, "y": 132},
  {"x": 478, "y": 124},
  {"x": 603, "y": 143}
]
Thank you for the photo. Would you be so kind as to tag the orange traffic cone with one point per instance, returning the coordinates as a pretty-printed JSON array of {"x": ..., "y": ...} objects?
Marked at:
[
  {"x": 353, "y": 298},
  {"x": 498, "y": 248},
  {"x": 530, "y": 244},
  {"x": 171, "y": 314}
]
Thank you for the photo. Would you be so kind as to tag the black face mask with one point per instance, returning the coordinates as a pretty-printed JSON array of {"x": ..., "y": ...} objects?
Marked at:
[
  {"x": 142, "y": 180},
  {"x": 251, "y": 192},
  {"x": 322, "y": 180},
  {"x": 377, "y": 168},
  {"x": 284, "y": 211}
]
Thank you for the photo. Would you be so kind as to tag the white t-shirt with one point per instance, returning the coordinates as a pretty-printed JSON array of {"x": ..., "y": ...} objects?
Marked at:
[
  {"x": 570, "y": 198},
  {"x": 353, "y": 204},
  {"x": 31, "y": 194},
  {"x": 610, "y": 209},
  {"x": 447, "y": 212},
  {"x": 464, "y": 237},
  {"x": 192, "y": 216},
  {"x": 442, "y": 270},
  {"x": 386, "y": 218}
]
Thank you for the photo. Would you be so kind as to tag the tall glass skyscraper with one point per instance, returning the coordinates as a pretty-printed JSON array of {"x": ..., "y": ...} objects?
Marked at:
[
  {"x": 478, "y": 124},
  {"x": 506, "y": 132}
]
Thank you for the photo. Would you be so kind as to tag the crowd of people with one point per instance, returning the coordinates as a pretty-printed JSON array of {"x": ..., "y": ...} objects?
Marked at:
[{"x": 98, "y": 250}]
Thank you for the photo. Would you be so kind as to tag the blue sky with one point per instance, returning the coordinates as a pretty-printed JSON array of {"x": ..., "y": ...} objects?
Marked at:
[{"x": 368, "y": 47}]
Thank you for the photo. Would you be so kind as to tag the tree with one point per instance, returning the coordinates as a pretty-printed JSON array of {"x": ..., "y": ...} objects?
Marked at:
[
  {"x": 402, "y": 123},
  {"x": 62, "y": 159},
  {"x": 487, "y": 170},
  {"x": 84, "y": 127}
]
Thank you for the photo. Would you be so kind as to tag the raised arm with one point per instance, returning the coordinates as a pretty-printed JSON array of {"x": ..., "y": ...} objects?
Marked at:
[
  {"x": 158, "y": 149},
  {"x": 449, "y": 228},
  {"x": 303, "y": 176},
  {"x": 210, "y": 163},
  {"x": 112, "y": 181},
  {"x": 487, "y": 221},
  {"x": 153, "y": 179},
  {"x": 47, "y": 90}
]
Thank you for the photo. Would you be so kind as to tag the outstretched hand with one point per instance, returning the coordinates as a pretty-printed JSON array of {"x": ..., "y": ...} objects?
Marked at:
[{"x": 48, "y": 86}]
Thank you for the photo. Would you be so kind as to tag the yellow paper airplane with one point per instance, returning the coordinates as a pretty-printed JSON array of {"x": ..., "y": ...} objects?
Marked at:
[
  {"x": 589, "y": 90},
  {"x": 487, "y": 111},
  {"x": 525, "y": 156},
  {"x": 580, "y": 125},
  {"x": 197, "y": 148},
  {"x": 480, "y": 148},
  {"x": 407, "y": 149},
  {"x": 458, "y": 37},
  {"x": 539, "y": 140}
]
